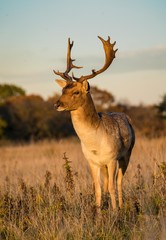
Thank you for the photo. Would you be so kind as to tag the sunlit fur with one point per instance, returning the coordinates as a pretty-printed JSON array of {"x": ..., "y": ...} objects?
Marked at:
[{"x": 106, "y": 139}]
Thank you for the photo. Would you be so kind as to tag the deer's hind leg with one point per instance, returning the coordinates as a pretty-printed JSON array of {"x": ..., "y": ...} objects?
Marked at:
[
  {"x": 123, "y": 164},
  {"x": 111, "y": 184}
]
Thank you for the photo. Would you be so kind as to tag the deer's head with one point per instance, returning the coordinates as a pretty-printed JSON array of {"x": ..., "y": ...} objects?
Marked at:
[{"x": 75, "y": 90}]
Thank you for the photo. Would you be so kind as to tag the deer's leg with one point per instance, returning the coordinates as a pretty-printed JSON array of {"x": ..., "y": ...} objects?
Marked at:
[
  {"x": 123, "y": 163},
  {"x": 96, "y": 180},
  {"x": 104, "y": 171},
  {"x": 111, "y": 186},
  {"x": 119, "y": 185}
]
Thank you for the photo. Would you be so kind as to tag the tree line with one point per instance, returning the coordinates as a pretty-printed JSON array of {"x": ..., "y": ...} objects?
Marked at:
[{"x": 30, "y": 117}]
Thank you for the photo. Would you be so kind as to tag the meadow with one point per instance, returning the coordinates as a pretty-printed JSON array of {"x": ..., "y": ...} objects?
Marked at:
[{"x": 46, "y": 193}]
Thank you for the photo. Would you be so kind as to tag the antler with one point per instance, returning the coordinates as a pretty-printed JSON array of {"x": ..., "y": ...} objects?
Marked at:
[
  {"x": 70, "y": 64},
  {"x": 109, "y": 56}
]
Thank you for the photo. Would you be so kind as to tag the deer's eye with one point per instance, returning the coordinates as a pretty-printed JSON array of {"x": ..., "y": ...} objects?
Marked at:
[{"x": 76, "y": 92}]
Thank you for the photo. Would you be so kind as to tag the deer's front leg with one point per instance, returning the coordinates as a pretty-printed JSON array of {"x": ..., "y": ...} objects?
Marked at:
[
  {"x": 96, "y": 180},
  {"x": 104, "y": 172},
  {"x": 111, "y": 186}
]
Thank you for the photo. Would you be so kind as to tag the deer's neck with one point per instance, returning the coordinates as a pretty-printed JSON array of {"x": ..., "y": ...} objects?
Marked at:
[{"x": 85, "y": 119}]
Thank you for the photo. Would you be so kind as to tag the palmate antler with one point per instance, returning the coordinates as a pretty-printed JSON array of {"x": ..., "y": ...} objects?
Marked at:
[{"x": 109, "y": 56}]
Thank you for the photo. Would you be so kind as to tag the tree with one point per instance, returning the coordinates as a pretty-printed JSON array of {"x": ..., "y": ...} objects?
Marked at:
[
  {"x": 33, "y": 118},
  {"x": 103, "y": 100},
  {"x": 9, "y": 90},
  {"x": 25, "y": 116},
  {"x": 3, "y": 125},
  {"x": 162, "y": 107},
  {"x": 59, "y": 123}
]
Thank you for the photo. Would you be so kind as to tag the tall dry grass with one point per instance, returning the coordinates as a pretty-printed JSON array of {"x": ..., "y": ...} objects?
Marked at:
[{"x": 46, "y": 194}]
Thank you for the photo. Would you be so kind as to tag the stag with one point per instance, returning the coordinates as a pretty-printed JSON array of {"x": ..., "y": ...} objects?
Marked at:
[{"x": 107, "y": 139}]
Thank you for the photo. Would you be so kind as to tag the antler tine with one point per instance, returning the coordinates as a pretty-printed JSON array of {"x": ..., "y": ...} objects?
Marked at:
[
  {"x": 109, "y": 56},
  {"x": 70, "y": 61},
  {"x": 70, "y": 64}
]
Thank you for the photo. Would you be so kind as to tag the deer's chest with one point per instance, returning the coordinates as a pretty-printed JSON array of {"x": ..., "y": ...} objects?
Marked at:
[{"x": 100, "y": 151}]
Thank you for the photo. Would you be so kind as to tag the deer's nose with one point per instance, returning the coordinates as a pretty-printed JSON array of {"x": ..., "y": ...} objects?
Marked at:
[{"x": 57, "y": 104}]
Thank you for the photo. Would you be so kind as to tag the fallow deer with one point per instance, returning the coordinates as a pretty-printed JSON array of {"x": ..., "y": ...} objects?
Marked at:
[{"x": 107, "y": 139}]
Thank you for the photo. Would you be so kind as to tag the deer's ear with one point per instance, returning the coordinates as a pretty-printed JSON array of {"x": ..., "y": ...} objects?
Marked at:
[
  {"x": 61, "y": 83},
  {"x": 86, "y": 85}
]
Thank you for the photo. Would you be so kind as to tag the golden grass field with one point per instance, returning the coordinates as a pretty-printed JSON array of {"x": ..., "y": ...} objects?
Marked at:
[{"x": 45, "y": 195}]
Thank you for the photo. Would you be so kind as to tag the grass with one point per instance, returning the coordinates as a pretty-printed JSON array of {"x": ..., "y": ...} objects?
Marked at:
[{"x": 46, "y": 193}]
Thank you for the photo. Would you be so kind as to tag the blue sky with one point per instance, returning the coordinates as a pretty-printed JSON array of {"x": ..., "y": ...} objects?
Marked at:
[{"x": 34, "y": 37}]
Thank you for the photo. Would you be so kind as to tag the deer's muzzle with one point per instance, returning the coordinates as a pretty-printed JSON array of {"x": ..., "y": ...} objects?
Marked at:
[{"x": 59, "y": 106}]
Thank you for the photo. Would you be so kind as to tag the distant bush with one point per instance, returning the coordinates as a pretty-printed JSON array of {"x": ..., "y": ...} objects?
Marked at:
[{"x": 31, "y": 117}]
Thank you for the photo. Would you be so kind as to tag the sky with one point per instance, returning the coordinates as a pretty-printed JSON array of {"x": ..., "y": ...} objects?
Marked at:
[{"x": 33, "y": 42}]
